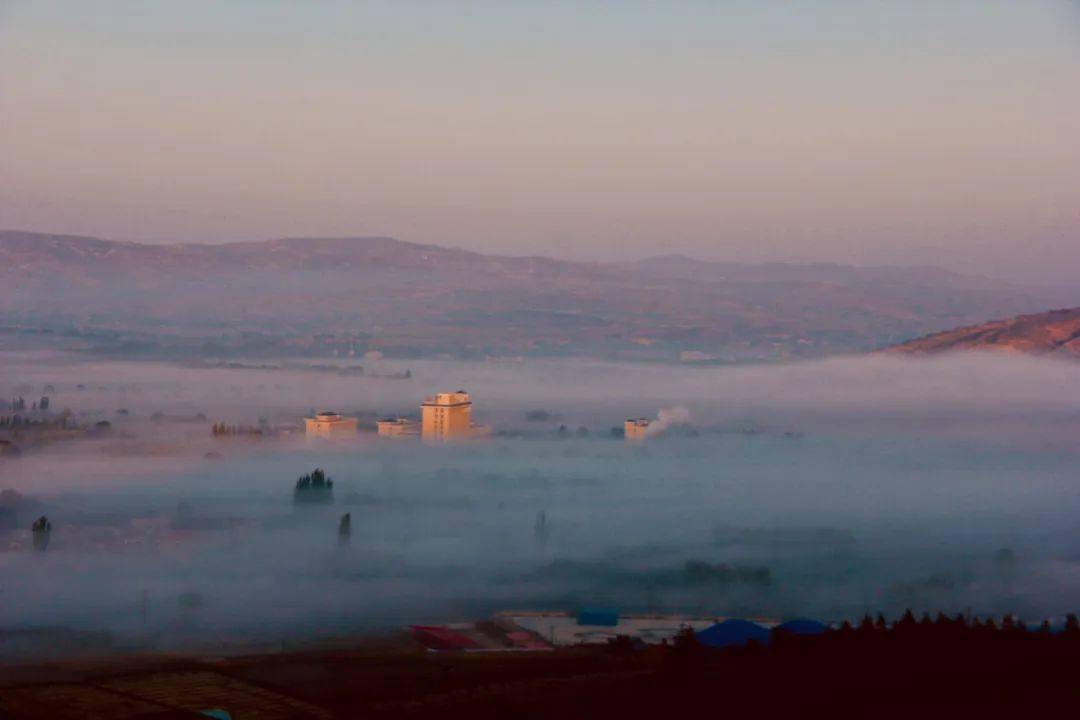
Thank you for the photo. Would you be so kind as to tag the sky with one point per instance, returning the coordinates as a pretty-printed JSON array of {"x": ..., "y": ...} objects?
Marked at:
[{"x": 851, "y": 131}]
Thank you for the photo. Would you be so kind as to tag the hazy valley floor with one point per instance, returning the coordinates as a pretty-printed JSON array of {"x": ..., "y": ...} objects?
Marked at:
[{"x": 857, "y": 485}]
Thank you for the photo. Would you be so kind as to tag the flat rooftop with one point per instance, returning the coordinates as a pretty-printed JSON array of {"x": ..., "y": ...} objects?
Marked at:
[{"x": 561, "y": 629}]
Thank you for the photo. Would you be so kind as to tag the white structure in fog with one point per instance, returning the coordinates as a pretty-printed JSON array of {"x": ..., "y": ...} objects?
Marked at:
[
  {"x": 398, "y": 427},
  {"x": 636, "y": 428},
  {"x": 328, "y": 424},
  {"x": 448, "y": 416}
]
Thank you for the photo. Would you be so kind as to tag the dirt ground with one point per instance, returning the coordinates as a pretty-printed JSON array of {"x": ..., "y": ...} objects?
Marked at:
[{"x": 925, "y": 672}]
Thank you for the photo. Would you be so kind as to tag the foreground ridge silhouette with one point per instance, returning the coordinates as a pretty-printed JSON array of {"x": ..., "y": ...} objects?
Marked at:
[{"x": 910, "y": 667}]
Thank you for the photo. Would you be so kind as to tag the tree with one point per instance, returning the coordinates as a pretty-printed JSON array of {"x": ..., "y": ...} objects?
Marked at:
[
  {"x": 315, "y": 487},
  {"x": 41, "y": 529},
  {"x": 621, "y": 645},
  {"x": 540, "y": 529},
  {"x": 344, "y": 529},
  {"x": 687, "y": 654}
]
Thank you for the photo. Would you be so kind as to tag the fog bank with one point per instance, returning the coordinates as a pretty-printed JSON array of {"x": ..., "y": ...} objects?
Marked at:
[{"x": 860, "y": 484}]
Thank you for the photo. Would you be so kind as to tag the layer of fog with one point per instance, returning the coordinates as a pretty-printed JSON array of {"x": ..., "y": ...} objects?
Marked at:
[{"x": 862, "y": 484}]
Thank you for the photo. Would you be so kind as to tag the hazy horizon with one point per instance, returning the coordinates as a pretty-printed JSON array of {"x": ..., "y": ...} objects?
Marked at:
[
  {"x": 523, "y": 253},
  {"x": 871, "y": 133}
]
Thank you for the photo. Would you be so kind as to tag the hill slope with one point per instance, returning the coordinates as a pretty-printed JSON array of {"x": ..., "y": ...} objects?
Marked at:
[
  {"x": 320, "y": 295},
  {"x": 1056, "y": 332}
]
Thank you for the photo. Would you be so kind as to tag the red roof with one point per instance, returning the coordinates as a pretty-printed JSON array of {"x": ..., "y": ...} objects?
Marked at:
[{"x": 441, "y": 638}]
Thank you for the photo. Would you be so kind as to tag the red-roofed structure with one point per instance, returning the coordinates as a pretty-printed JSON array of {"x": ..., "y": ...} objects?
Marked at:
[{"x": 435, "y": 637}]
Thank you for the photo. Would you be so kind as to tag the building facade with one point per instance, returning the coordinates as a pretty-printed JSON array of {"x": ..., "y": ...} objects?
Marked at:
[
  {"x": 398, "y": 428},
  {"x": 447, "y": 416},
  {"x": 330, "y": 425},
  {"x": 636, "y": 428}
]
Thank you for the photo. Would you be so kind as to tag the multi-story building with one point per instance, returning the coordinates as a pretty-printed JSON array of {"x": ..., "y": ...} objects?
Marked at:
[
  {"x": 330, "y": 425},
  {"x": 398, "y": 427},
  {"x": 447, "y": 416},
  {"x": 636, "y": 428}
]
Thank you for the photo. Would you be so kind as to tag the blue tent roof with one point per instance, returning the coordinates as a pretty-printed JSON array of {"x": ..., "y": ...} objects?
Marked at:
[
  {"x": 598, "y": 616},
  {"x": 732, "y": 633},
  {"x": 802, "y": 626}
]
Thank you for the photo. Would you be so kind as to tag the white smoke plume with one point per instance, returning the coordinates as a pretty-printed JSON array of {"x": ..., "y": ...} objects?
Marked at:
[{"x": 667, "y": 417}]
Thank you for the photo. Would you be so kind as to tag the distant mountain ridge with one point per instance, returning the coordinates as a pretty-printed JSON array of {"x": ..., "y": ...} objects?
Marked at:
[
  {"x": 1055, "y": 333},
  {"x": 378, "y": 293}
]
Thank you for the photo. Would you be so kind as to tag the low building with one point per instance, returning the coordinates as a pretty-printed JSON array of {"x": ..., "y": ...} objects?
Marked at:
[
  {"x": 562, "y": 629},
  {"x": 636, "y": 428},
  {"x": 327, "y": 424},
  {"x": 398, "y": 427},
  {"x": 697, "y": 356}
]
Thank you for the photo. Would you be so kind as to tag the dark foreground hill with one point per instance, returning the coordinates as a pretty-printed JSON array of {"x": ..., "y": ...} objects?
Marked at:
[
  {"x": 943, "y": 668},
  {"x": 351, "y": 295},
  {"x": 1054, "y": 333}
]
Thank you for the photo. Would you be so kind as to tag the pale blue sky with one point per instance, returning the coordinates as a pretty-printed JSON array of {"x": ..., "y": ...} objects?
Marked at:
[{"x": 862, "y": 131}]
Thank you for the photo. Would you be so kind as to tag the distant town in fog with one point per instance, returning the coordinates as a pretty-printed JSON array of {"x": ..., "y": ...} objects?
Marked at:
[{"x": 507, "y": 359}]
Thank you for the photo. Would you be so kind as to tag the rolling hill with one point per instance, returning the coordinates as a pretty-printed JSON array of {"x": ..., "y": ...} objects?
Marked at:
[
  {"x": 1054, "y": 333},
  {"x": 332, "y": 295}
]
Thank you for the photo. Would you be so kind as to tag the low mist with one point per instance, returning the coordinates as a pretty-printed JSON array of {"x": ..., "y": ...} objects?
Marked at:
[{"x": 825, "y": 489}]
